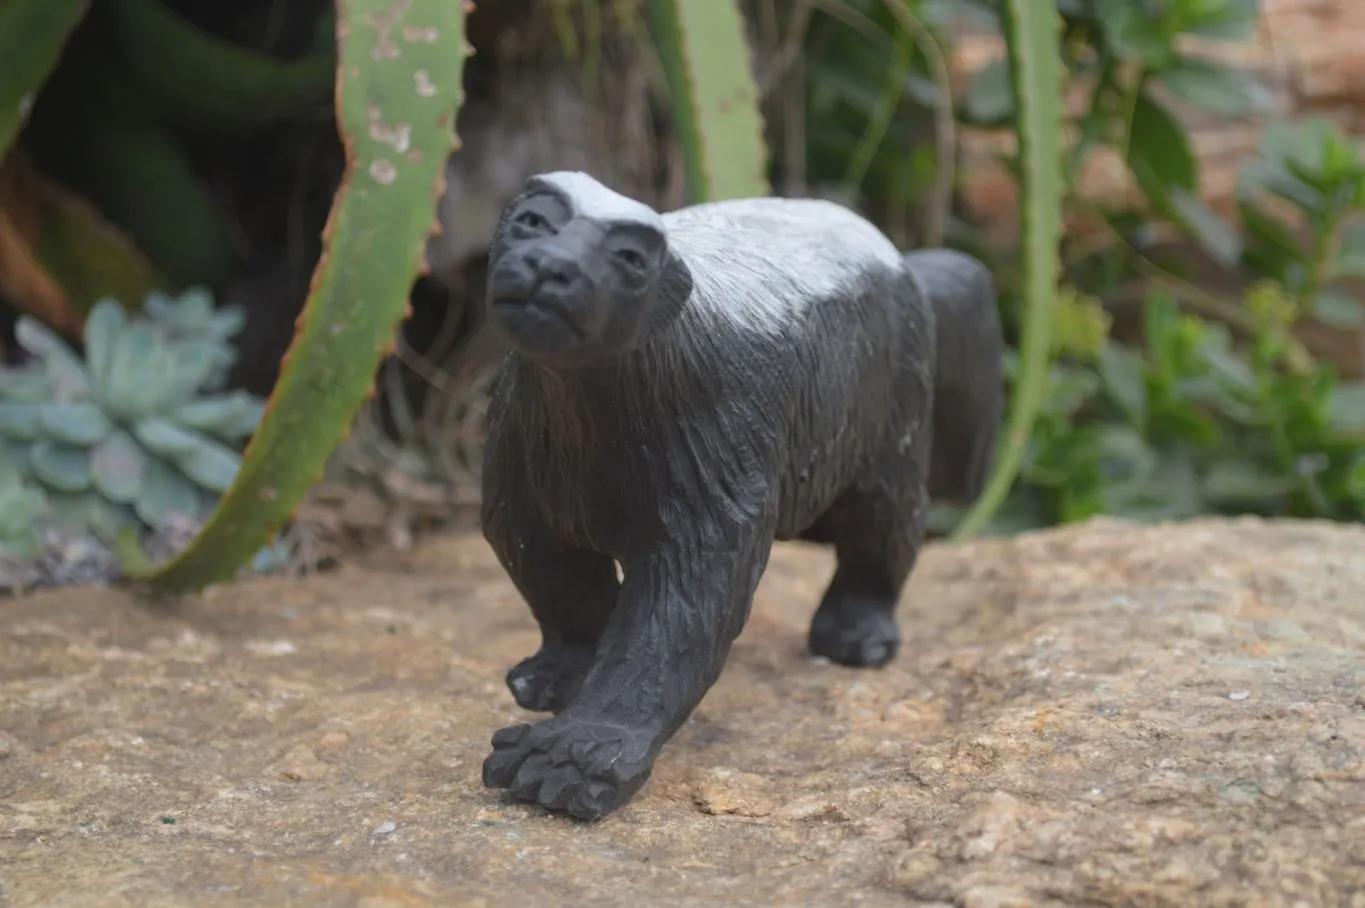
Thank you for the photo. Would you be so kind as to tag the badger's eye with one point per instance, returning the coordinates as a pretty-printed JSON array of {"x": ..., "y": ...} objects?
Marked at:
[
  {"x": 531, "y": 220},
  {"x": 631, "y": 258}
]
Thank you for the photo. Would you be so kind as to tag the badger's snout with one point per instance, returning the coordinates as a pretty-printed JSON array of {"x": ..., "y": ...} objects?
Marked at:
[
  {"x": 554, "y": 268},
  {"x": 530, "y": 273},
  {"x": 540, "y": 297}
]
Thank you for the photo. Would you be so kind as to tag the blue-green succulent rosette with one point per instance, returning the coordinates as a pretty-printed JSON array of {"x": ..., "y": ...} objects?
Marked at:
[{"x": 138, "y": 433}]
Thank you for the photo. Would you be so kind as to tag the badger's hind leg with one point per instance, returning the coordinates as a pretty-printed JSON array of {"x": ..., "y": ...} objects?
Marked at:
[{"x": 877, "y": 528}]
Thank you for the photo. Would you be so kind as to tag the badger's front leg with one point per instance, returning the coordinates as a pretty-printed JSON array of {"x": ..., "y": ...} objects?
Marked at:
[
  {"x": 571, "y": 593},
  {"x": 681, "y": 606}
]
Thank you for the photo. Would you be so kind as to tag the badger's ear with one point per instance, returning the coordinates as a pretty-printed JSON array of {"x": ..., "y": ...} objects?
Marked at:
[{"x": 675, "y": 283}]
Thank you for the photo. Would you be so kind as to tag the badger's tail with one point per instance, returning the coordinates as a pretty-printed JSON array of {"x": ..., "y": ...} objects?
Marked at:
[{"x": 969, "y": 391}]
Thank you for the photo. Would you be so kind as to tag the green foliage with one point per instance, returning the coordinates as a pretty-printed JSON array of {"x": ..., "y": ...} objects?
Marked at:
[
  {"x": 1217, "y": 406},
  {"x": 32, "y": 34},
  {"x": 1313, "y": 170},
  {"x": 382, "y": 214},
  {"x": 714, "y": 98},
  {"x": 1193, "y": 420},
  {"x": 1193, "y": 427},
  {"x": 87, "y": 257},
  {"x": 21, "y": 509},
  {"x": 1031, "y": 34},
  {"x": 99, "y": 133},
  {"x": 124, "y": 118},
  {"x": 1133, "y": 47},
  {"x": 878, "y": 127},
  {"x": 1134, "y": 392},
  {"x": 1133, "y": 57},
  {"x": 855, "y": 77},
  {"x": 132, "y": 436},
  {"x": 197, "y": 78},
  {"x": 1130, "y": 52}
]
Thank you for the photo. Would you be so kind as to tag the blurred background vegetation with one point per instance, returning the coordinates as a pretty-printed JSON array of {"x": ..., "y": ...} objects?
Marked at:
[{"x": 1202, "y": 351}]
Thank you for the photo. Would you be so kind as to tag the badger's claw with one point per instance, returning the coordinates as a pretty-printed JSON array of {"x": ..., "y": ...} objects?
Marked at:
[{"x": 585, "y": 769}]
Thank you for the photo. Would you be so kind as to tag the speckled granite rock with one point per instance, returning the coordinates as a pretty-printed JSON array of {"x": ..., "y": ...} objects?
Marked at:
[{"x": 1101, "y": 715}]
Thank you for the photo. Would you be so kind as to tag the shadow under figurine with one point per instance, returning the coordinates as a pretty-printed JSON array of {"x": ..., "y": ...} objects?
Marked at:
[{"x": 681, "y": 390}]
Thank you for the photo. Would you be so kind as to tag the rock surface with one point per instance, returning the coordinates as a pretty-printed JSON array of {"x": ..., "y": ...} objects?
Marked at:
[{"x": 1100, "y": 715}]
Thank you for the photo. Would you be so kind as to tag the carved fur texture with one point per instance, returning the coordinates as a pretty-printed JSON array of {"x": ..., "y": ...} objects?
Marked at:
[{"x": 682, "y": 390}]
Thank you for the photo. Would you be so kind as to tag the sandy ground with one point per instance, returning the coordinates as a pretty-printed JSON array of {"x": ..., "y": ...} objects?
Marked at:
[{"x": 1100, "y": 715}]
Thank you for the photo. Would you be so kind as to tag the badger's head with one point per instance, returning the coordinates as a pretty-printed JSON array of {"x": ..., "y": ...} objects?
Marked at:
[{"x": 579, "y": 274}]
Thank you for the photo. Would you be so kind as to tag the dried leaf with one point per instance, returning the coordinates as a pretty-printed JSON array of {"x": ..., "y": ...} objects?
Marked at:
[
  {"x": 23, "y": 279},
  {"x": 58, "y": 255}
]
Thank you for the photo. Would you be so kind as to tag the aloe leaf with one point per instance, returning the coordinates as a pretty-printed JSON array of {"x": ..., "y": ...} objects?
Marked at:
[
  {"x": 103, "y": 142},
  {"x": 399, "y": 72},
  {"x": 705, "y": 57},
  {"x": 32, "y": 36},
  {"x": 118, "y": 467},
  {"x": 1033, "y": 35},
  {"x": 212, "y": 83},
  {"x": 77, "y": 424},
  {"x": 60, "y": 467}
]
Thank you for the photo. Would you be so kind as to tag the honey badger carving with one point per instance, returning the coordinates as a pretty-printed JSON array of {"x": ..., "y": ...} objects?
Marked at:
[{"x": 681, "y": 390}]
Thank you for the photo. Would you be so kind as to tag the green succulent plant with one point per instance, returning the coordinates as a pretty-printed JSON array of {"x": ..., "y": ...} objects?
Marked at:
[
  {"x": 193, "y": 316},
  {"x": 21, "y": 508},
  {"x": 127, "y": 438}
]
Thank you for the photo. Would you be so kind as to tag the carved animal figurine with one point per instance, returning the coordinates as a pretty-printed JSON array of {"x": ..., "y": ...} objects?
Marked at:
[{"x": 680, "y": 391}]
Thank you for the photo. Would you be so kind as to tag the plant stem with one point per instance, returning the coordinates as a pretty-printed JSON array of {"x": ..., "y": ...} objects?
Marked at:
[{"x": 1032, "y": 31}]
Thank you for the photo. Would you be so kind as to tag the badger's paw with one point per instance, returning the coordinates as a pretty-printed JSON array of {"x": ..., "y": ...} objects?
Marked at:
[
  {"x": 582, "y": 768},
  {"x": 855, "y": 631},
  {"x": 548, "y": 681}
]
